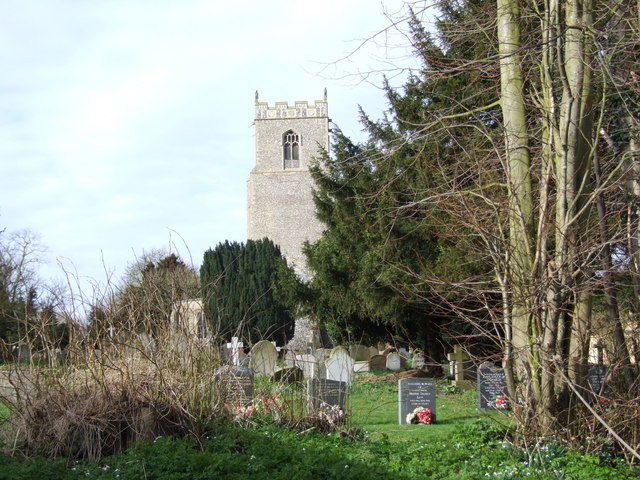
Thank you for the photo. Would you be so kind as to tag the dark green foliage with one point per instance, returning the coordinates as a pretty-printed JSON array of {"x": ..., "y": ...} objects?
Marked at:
[
  {"x": 245, "y": 290},
  {"x": 389, "y": 255}
]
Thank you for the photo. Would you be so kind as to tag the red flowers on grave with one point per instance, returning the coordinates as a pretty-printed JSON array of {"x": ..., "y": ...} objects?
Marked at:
[
  {"x": 421, "y": 415},
  {"x": 501, "y": 401}
]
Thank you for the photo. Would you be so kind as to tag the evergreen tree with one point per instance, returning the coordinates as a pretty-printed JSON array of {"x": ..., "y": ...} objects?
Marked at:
[
  {"x": 382, "y": 238},
  {"x": 240, "y": 284}
]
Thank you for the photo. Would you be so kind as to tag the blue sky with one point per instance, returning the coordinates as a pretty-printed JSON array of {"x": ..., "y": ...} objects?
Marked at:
[{"x": 126, "y": 125}]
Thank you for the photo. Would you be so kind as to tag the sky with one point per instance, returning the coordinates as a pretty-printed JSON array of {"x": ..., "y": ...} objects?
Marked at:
[{"x": 126, "y": 125}]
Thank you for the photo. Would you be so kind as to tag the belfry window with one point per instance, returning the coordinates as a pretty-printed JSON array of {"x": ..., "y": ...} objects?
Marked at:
[{"x": 291, "y": 149}]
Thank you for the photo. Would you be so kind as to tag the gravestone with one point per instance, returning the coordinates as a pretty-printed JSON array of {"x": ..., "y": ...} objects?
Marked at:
[
  {"x": 234, "y": 347},
  {"x": 597, "y": 374},
  {"x": 418, "y": 361},
  {"x": 234, "y": 385},
  {"x": 308, "y": 363},
  {"x": 378, "y": 363},
  {"x": 359, "y": 353},
  {"x": 263, "y": 358},
  {"x": 309, "y": 366},
  {"x": 325, "y": 391},
  {"x": 322, "y": 354},
  {"x": 373, "y": 351},
  {"x": 288, "y": 375},
  {"x": 458, "y": 357},
  {"x": 492, "y": 387},
  {"x": 394, "y": 362},
  {"x": 361, "y": 367},
  {"x": 414, "y": 393},
  {"x": 340, "y": 366}
]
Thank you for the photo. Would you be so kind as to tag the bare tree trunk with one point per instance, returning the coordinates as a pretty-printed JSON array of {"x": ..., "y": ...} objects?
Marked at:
[{"x": 517, "y": 165}]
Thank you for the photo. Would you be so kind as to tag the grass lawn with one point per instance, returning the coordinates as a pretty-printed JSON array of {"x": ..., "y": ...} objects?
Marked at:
[{"x": 374, "y": 407}]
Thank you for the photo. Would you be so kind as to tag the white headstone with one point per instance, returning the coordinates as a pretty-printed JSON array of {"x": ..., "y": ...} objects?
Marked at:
[
  {"x": 340, "y": 366},
  {"x": 361, "y": 367},
  {"x": 263, "y": 358},
  {"x": 308, "y": 364},
  {"x": 418, "y": 361},
  {"x": 394, "y": 362},
  {"x": 235, "y": 347}
]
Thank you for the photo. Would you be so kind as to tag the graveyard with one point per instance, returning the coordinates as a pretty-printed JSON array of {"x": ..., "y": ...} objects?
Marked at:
[{"x": 326, "y": 413}]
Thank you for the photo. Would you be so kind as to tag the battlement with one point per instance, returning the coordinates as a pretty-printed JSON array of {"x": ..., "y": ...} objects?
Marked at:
[{"x": 300, "y": 109}]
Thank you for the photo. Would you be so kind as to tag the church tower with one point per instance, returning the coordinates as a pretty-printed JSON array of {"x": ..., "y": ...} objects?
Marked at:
[{"x": 279, "y": 201}]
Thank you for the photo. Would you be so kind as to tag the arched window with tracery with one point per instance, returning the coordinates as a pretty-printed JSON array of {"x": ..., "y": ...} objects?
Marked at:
[{"x": 291, "y": 149}]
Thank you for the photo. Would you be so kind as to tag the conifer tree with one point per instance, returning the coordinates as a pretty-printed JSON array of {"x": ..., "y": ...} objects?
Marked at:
[
  {"x": 240, "y": 284},
  {"x": 382, "y": 238}
]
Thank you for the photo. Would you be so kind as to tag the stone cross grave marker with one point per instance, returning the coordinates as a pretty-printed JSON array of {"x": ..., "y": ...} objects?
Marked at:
[
  {"x": 263, "y": 358},
  {"x": 394, "y": 362},
  {"x": 492, "y": 387},
  {"x": 458, "y": 357},
  {"x": 325, "y": 391},
  {"x": 234, "y": 385},
  {"x": 235, "y": 347},
  {"x": 414, "y": 393},
  {"x": 340, "y": 365},
  {"x": 599, "y": 348}
]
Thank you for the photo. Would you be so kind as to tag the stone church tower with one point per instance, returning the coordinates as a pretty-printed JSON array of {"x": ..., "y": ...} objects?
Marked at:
[{"x": 279, "y": 202}]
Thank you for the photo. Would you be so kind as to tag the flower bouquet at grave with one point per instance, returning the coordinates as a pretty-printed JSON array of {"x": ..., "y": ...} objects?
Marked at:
[
  {"x": 331, "y": 414},
  {"x": 421, "y": 415},
  {"x": 244, "y": 412},
  {"x": 501, "y": 402},
  {"x": 270, "y": 405}
]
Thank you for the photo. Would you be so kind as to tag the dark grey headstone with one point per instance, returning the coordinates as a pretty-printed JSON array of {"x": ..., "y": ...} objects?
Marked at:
[
  {"x": 597, "y": 374},
  {"x": 414, "y": 393},
  {"x": 492, "y": 388},
  {"x": 288, "y": 375},
  {"x": 330, "y": 392},
  {"x": 234, "y": 385},
  {"x": 378, "y": 363}
]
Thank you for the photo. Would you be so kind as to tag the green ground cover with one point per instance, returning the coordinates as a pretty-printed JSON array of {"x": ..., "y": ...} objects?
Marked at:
[
  {"x": 375, "y": 410},
  {"x": 464, "y": 445}
]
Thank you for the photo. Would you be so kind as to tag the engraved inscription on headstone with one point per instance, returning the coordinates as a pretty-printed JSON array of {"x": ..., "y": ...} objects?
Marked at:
[
  {"x": 492, "y": 388},
  {"x": 597, "y": 374},
  {"x": 330, "y": 392},
  {"x": 235, "y": 385},
  {"x": 414, "y": 393}
]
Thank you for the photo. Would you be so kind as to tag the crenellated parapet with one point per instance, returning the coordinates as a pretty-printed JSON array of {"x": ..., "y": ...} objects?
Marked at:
[{"x": 298, "y": 110}]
